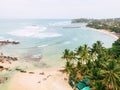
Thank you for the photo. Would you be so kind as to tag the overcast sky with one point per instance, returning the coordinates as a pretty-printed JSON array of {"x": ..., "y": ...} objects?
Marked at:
[{"x": 59, "y": 8}]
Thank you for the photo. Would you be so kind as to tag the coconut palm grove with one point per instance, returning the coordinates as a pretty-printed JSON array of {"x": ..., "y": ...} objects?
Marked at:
[{"x": 98, "y": 64}]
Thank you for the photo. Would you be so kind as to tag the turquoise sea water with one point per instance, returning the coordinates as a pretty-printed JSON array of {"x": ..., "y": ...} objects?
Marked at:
[{"x": 43, "y": 40}]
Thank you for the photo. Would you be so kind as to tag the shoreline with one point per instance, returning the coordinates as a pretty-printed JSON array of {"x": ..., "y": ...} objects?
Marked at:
[
  {"x": 28, "y": 77},
  {"x": 113, "y": 34},
  {"x": 42, "y": 79},
  {"x": 24, "y": 76}
]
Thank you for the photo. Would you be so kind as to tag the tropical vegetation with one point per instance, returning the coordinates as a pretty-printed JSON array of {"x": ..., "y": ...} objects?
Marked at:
[
  {"x": 112, "y": 24},
  {"x": 99, "y": 64}
]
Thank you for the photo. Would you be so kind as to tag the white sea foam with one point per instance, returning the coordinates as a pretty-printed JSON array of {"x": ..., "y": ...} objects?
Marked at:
[
  {"x": 43, "y": 45},
  {"x": 35, "y": 32},
  {"x": 35, "y": 27},
  {"x": 37, "y": 56},
  {"x": 47, "y": 35},
  {"x": 62, "y": 23}
]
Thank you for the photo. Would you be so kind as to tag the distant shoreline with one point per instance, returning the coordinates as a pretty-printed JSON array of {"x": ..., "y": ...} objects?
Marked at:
[{"x": 113, "y": 34}]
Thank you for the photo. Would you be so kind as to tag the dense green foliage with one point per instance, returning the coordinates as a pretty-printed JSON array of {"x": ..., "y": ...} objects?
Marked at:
[
  {"x": 116, "y": 49},
  {"x": 108, "y": 24},
  {"x": 82, "y": 20},
  {"x": 101, "y": 65}
]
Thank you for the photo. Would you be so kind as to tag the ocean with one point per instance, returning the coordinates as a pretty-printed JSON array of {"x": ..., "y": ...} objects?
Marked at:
[{"x": 42, "y": 41}]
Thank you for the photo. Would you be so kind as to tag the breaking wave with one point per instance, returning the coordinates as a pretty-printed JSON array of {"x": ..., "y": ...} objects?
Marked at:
[
  {"x": 62, "y": 23},
  {"x": 35, "y": 32},
  {"x": 42, "y": 46}
]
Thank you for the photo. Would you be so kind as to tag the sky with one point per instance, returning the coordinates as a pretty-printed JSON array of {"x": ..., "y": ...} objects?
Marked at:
[{"x": 59, "y": 9}]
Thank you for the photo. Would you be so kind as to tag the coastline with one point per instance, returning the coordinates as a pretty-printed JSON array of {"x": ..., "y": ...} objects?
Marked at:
[
  {"x": 25, "y": 76},
  {"x": 20, "y": 75},
  {"x": 40, "y": 79},
  {"x": 28, "y": 77},
  {"x": 113, "y": 34}
]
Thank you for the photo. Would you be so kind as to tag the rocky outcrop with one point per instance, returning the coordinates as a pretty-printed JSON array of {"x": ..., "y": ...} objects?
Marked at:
[{"x": 9, "y": 42}]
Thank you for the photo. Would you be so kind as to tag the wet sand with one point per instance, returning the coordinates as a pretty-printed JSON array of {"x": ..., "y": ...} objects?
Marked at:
[
  {"x": 24, "y": 76},
  {"x": 113, "y": 34}
]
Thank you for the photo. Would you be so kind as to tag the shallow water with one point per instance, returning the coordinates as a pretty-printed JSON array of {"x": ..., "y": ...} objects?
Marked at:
[{"x": 44, "y": 40}]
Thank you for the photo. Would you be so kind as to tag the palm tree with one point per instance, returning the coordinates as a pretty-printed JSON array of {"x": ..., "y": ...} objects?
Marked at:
[
  {"x": 97, "y": 47},
  {"x": 99, "y": 85},
  {"x": 112, "y": 76},
  {"x": 103, "y": 72},
  {"x": 95, "y": 74},
  {"x": 116, "y": 48},
  {"x": 66, "y": 54},
  {"x": 83, "y": 53},
  {"x": 68, "y": 67},
  {"x": 79, "y": 50},
  {"x": 93, "y": 56},
  {"x": 69, "y": 57},
  {"x": 72, "y": 56}
]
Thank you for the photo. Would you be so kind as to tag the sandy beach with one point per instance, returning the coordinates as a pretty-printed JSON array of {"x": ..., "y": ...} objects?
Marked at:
[
  {"x": 113, "y": 34},
  {"x": 42, "y": 79},
  {"x": 25, "y": 76},
  {"x": 34, "y": 79}
]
